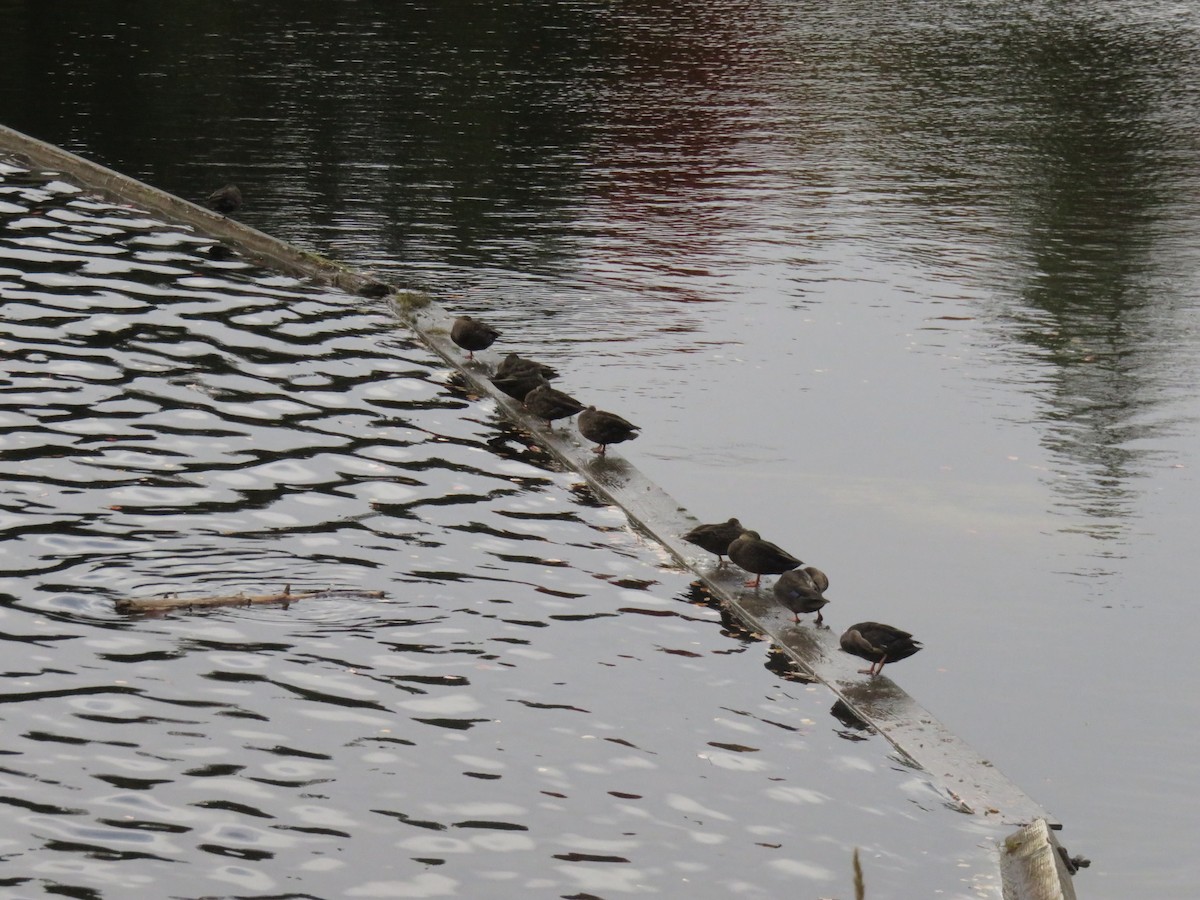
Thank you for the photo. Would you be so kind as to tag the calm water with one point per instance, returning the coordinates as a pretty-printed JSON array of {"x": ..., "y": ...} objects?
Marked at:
[{"x": 910, "y": 288}]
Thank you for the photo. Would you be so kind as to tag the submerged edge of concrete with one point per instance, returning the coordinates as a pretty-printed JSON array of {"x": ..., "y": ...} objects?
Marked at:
[{"x": 968, "y": 782}]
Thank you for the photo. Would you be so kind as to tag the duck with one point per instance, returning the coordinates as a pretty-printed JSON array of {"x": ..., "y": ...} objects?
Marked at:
[
  {"x": 374, "y": 290},
  {"x": 801, "y": 592},
  {"x": 472, "y": 334},
  {"x": 761, "y": 557},
  {"x": 225, "y": 200},
  {"x": 518, "y": 385},
  {"x": 715, "y": 537},
  {"x": 547, "y": 403},
  {"x": 219, "y": 252},
  {"x": 605, "y": 428},
  {"x": 879, "y": 644},
  {"x": 520, "y": 365},
  {"x": 820, "y": 579}
]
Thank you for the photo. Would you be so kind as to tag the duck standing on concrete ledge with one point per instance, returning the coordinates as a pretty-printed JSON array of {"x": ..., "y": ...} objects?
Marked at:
[
  {"x": 547, "y": 403},
  {"x": 761, "y": 557},
  {"x": 879, "y": 644},
  {"x": 472, "y": 335},
  {"x": 715, "y": 537},
  {"x": 605, "y": 428},
  {"x": 820, "y": 579},
  {"x": 520, "y": 365},
  {"x": 802, "y": 591},
  {"x": 518, "y": 385}
]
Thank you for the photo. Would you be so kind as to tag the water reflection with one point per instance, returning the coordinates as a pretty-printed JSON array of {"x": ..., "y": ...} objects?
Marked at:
[
  {"x": 1099, "y": 228},
  {"x": 1032, "y": 153}
]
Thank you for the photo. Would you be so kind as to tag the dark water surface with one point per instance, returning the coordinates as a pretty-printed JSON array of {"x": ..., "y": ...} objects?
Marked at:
[{"x": 911, "y": 289}]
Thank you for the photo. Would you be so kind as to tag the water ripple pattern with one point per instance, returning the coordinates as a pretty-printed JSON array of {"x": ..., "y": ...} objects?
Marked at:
[{"x": 539, "y": 705}]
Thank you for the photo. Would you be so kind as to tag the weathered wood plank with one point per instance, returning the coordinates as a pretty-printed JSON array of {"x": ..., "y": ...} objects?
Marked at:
[
  {"x": 1032, "y": 866},
  {"x": 171, "y": 602}
]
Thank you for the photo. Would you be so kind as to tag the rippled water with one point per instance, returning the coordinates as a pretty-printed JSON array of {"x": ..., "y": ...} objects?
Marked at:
[
  {"x": 911, "y": 288},
  {"x": 538, "y": 704}
]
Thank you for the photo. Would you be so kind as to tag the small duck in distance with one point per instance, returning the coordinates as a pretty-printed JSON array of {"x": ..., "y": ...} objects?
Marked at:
[
  {"x": 472, "y": 334},
  {"x": 225, "y": 200},
  {"x": 605, "y": 428},
  {"x": 802, "y": 591},
  {"x": 879, "y": 644},
  {"x": 547, "y": 403},
  {"x": 752, "y": 553},
  {"x": 715, "y": 538}
]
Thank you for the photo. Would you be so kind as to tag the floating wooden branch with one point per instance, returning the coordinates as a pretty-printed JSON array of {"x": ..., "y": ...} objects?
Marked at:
[{"x": 174, "y": 602}]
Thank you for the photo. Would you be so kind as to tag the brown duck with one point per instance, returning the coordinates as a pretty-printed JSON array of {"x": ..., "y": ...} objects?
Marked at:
[
  {"x": 761, "y": 557},
  {"x": 547, "y": 403},
  {"x": 802, "y": 591},
  {"x": 715, "y": 537},
  {"x": 879, "y": 644},
  {"x": 605, "y": 428},
  {"x": 820, "y": 579},
  {"x": 520, "y": 365},
  {"x": 472, "y": 335},
  {"x": 518, "y": 385},
  {"x": 225, "y": 200}
]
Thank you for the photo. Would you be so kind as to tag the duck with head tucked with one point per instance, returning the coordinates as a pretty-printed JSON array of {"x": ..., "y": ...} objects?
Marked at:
[
  {"x": 715, "y": 537},
  {"x": 518, "y": 385},
  {"x": 513, "y": 364},
  {"x": 605, "y": 428},
  {"x": 802, "y": 591},
  {"x": 547, "y": 403},
  {"x": 472, "y": 334},
  {"x": 752, "y": 553},
  {"x": 225, "y": 200}
]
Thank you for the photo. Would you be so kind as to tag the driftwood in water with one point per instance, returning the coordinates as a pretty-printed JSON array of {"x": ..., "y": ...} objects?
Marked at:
[{"x": 174, "y": 602}]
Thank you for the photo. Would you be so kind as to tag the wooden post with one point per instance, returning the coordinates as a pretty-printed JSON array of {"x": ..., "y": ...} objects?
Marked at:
[{"x": 1032, "y": 865}]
